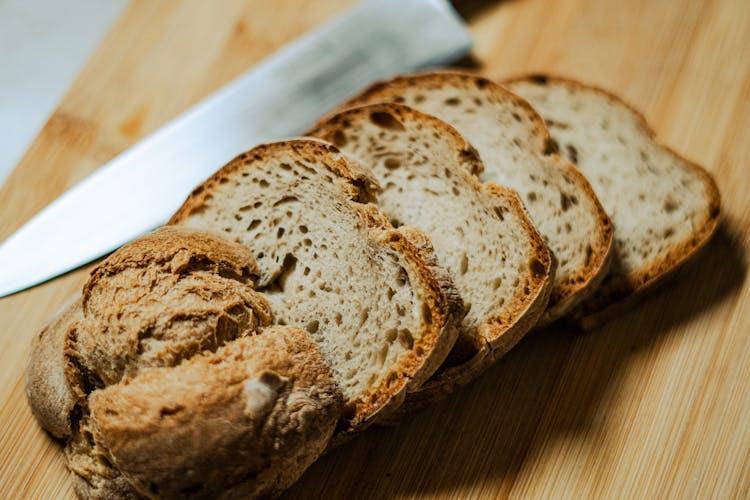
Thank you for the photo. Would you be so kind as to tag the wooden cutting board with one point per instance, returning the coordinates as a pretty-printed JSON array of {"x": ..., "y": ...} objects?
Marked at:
[{"x": 654, "y": 404}]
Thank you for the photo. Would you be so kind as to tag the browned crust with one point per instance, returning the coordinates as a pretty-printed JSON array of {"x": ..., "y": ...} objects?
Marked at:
[
  {"x": 437, "y": 338},
  {"x": 580, "y": 286},
  {"x": 199, "y": 248},
  {"x": 601, "y": 308},
  {"x": 165, "y": 431},
  {"x": 500, "y": 332},
  {"x": 48, "y": 390}
]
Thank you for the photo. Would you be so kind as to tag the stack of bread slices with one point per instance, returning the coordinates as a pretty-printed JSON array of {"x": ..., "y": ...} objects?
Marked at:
[{"x": 315, "y": 286}]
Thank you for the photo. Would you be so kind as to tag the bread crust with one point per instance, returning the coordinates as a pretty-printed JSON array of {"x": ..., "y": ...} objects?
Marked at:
[
  {"x": 47, "y": 387},
  {"x": 600, "y": 308},
  {"x": 412, "y": 247},
  {"x": 565, "y": 296}
]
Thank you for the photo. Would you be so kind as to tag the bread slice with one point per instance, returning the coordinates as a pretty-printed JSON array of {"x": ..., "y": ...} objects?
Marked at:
[
  {"x": 514, "y": 145},
  {"x": 663, "y": 206},
  {"x": 374, "y": 298},
  {"x": 480, "y": 232},
  {"x": 166, "y": 381}
]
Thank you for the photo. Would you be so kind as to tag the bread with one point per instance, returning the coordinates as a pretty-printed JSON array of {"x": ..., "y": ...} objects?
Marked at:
[
  {"x": 261, "y": 408},
  {"x": 480, "y": 232},
  {"x": 664, "y": 207},
  {"x": 515, "y": 148},
  {"x": 373, "y": 297},
  {"x": 178, "y": 387},
  {"x": 47, "y": 389}
]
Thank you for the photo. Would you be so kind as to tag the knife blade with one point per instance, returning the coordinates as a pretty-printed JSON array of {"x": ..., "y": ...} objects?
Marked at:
[{"x": 139, "y": 189}]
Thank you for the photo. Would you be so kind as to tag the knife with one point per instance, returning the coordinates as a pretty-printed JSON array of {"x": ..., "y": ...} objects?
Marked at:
[{"x": 283, "y": 95}]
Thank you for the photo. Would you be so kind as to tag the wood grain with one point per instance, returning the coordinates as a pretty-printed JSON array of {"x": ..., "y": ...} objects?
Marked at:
[{"x": 654, "y": 404}]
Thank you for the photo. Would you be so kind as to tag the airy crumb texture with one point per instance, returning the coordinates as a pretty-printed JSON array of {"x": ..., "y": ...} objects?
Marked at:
[
  {"x": 481, "y": 233},
  {"x": 515, "y": 148},
  {"x": 169, "y": 382},
  {"x": 374, "y": 299},
  {"x": 663, "y": 206}
]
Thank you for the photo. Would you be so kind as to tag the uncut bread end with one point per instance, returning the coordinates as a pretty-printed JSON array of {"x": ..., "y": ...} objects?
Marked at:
[
  {"x": 262, "y": 406},
  {"x": 373, "y": 297},
  {"x": 50, "y": 396},
  {"x": 665, "y": 208}
]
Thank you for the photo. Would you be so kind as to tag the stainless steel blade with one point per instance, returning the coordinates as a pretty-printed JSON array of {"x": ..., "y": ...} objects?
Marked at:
[{"x": 138, "y": 190}]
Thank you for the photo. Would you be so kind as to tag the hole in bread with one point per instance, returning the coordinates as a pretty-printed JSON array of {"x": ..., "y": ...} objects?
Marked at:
[
  {"x": 338, "y": 318},
  {"x": 531, "y": 196},
  {"x": 452, "y": 101},
  {"x": 339, "y": 139},
  {"x": 392, "y": 163},
  {"x": 668, "y": 232},
  {"x": 496, "y": 283},
  {"x": 402, "y": 279},
  {"x": 303, "y": 229},
  {"x": 499, "y": 212},
  {"x": 287, "y": 268},
  {"x": 565, "y": 201},
  {"x": 280, "y": 232},
  {"x": 418, "y": 98},
  {"x": 572, "y": 153},
  {"x": 253, "y": 224},
  {"x": 536, "y": 267},
  {"x": 426, "y": 313},
  {"x": 516, "y": 116},
  {"x": 464, "y": 263},
  {"x": 285, "y": 200},
  {"x": 264, "y": 183},
  {"x": 400, "y": 310},
  {"x": 405, "y": 338},
  {"x": 312, "y": 326},
  {"x": 670, "y": 205},
  {"x": 391, "y": 334},
  {"x": 386, "y": 121},
  {"x": 390, "y": 293}
]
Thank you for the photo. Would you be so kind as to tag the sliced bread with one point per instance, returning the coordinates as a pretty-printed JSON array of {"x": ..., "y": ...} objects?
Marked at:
[
  {"x": 480, "y": 232},
  {"x": 373, "y": 297},
  {"x": 515, "y": 148},
  {"x": 663, "y": 206}
]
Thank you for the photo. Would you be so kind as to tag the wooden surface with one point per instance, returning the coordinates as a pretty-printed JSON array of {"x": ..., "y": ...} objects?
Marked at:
[{"x": 655, "y": 404}]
